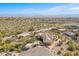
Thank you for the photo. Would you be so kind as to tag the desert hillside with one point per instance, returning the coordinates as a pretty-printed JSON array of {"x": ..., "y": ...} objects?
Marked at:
[{"x": 39, "y": 36}]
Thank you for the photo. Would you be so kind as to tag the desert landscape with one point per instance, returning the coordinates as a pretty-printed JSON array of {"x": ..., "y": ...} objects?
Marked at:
[{"x": 39, "y": 36}]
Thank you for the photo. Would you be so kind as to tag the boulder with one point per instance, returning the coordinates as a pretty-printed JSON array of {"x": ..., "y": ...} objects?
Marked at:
[
  {"x": 23, "y": 34},
  {"x": 8, "y": 38},
  {"x": 36, "y": 43},
  {"x": 36, "y": 51},
  {"x": 44, "y": 37},
  {"x": 31, "y": 45},
  {"x": 70, "y": 34},
  {"x": 62, "y": 29}
]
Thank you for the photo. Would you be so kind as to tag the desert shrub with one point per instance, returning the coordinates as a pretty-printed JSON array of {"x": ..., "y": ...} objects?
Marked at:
[
  {"x": 71, "y": 27},
  {"x": 5, "y": 45},
  {"x": 61, "y": 48},
  {"x": 8, "y": 45},
  {"x": 15, "y": 32},
  {"x": 59, "y": 52},
  {"x": 76, "y": 54},
  {"x": 71, "y": 46},
  {"x": 18, "y": 47},
  {"x": 56, "y": 31},
  {"x": 31, "y": 28},
  {"x": 67, "y": 54},
  {"x": 5, "y": 33},
  {"x": 28, "y": 39},
  {"x": 2, "y": 33},
  {"x": 77, "y": 47}
]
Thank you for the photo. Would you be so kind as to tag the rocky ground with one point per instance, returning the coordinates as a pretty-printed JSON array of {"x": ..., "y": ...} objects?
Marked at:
[
  {"x": 50, "y": 44},
  {"x": 42, "y": 39},
  {"x": 37, "y": 51}
]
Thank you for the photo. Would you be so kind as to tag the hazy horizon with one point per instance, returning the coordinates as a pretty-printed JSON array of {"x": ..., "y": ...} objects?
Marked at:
[{"x": 36, "y": 9}]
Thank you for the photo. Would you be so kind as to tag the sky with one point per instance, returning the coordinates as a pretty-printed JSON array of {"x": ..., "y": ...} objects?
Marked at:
[{"x": 39, "y": 9}]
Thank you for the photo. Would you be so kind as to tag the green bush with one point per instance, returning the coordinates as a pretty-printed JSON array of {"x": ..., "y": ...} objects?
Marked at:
[
  {"x": 8, "y": 45},
  {"x": 2, "y": 33},
  {"x": 71, "y": 46}
]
